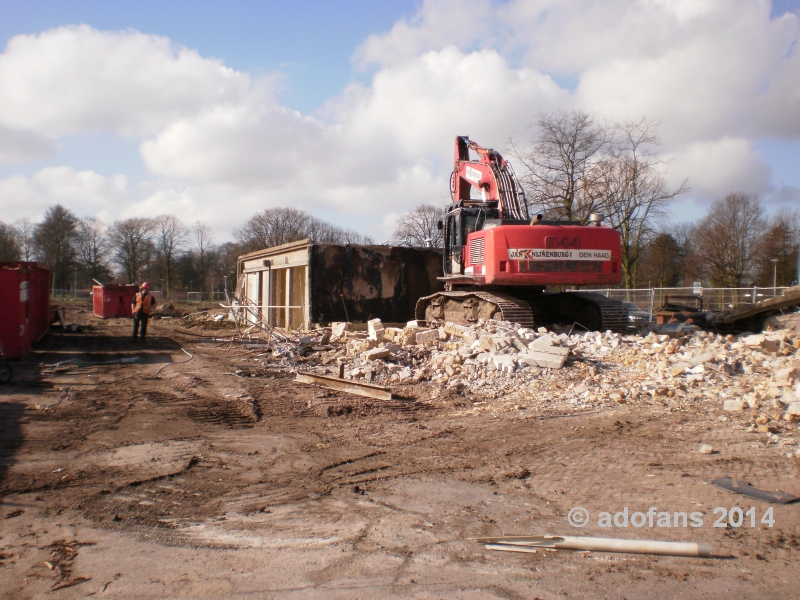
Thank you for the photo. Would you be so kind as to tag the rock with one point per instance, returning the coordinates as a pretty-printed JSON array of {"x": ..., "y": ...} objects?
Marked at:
[
  {"x": 375, "y": 329},
  {"x": 553, "y": 357},
  {"x": 408, "y": 337},
  {"x": 454, "y": 329},
  {"x": 427, "y": 337},
  {"x": 705, "y": 449},
  {"x": 393, "y": 334},
  {"x": 339, "y": 328},
  {"x": 376, "y": 353},
  {"x": 754, "y": 341},
  {"x": 546, "y": 341},
  {"x": 503, "y": 360},
  {"x": 357, "y": 346},
  {"x": 469, "y": 337},
  {"x": 678, "y": 368},
  {"x": 786, "y": 377},
  {"x": 752, "y": 401},
  {"x": 519, "y": 345},
  {"x": 733, "y": 405},
  {"x": 793, "y": 408}
]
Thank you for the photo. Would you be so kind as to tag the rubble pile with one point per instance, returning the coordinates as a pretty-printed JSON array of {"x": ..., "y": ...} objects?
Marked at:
[{"x": 755, "y": 377}]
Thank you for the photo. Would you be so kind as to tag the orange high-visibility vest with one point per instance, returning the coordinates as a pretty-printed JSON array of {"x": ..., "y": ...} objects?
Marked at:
[{"x": 142, "y": 303}]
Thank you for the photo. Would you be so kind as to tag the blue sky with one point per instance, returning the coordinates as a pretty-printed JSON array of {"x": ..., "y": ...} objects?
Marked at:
[{"x": 348, "y": 109}]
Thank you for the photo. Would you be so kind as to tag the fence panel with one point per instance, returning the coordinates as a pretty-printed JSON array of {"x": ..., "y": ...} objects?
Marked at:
[{"x": 716, "y": 299}]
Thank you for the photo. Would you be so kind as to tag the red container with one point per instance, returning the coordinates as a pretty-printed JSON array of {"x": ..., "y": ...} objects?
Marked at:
[
  {"x": 15, "y": 331},
  {"x": 38, "y": 296},
  {"x": 113, "y": 301}
]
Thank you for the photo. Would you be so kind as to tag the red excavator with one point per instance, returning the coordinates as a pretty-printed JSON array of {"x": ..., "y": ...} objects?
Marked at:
[{"x": 498, "y": 261}]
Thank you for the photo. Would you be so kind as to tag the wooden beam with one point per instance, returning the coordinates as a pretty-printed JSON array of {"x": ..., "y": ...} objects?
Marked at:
[{"x": 346, "y": 385}]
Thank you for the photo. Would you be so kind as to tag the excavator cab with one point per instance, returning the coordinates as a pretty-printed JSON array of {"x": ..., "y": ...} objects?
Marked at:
[{"x": 458, "y": 224}]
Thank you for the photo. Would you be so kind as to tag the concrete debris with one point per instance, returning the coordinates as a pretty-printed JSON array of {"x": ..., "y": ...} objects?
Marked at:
[
  {"x": 754, "y": 379},
  {"x": 339, "y": 329},
  {"x": 375, "y": 329}
]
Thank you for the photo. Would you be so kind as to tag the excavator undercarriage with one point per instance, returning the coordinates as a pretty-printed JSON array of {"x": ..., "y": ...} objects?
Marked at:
[{"x": 586, "y": 309}]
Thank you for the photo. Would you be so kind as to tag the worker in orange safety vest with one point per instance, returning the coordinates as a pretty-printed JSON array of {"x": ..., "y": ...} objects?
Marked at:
[{"x": 142, "y": 304}]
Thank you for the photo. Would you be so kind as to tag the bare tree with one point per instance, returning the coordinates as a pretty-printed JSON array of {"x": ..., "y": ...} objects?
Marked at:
[
  {"x": 273, "y": 227},
  {"x": 204, "y": 239},
  {"x": 9, "y": 243},
  {"x": 729, "y": 238},
  {"x": 276, "y": 226},
  {"x": 92, "y": 247},
  {"x": 630, "y": 189},
  {"x": 54, "y": 241},
  {"x": 25, "y": 229},
  {"x": 225, "y": 261},
  {"x": 780, "y": 244},
  {"x": 661, "y": 262},
  {"x": 558, "y": 172},
  {"x": 169, "y": 237},
  {"x": 419, "y": 227},
  {"x": 131, "y": 244}
]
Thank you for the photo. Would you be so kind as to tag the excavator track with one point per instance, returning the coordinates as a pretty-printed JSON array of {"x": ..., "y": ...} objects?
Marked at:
[
  {"x": 613, "y": 314},
  {"x": 590, "y": 310},
  {"x": 469, "y": 306}
]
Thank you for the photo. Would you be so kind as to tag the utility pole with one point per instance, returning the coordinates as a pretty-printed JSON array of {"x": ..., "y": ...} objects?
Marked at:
[{"x": 75, "y": 285}]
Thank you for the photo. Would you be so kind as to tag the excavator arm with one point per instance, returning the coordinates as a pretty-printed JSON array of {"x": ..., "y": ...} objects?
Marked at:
[{"x": 490, "y": 174}]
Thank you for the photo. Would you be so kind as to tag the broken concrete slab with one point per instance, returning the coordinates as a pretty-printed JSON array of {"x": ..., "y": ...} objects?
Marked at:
[
  {"x": 552, "y": 357},
  {"x": 376, "y": 354},
  {"x": 427, "y": 337},
  {"x": 340, "y": 327}
]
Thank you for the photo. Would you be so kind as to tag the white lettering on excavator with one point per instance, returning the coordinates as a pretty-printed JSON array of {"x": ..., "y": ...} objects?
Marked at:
[
  {"x": 474, "y": 175},
  {"x": 542, "y": 254}
]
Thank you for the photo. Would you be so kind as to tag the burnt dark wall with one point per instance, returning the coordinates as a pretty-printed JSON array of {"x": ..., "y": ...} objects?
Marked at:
[{"x": 371, "y": 281}]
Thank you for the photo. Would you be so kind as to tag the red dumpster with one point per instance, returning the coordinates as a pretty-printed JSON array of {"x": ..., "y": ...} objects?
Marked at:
[
  {"x": 15, "y": 332},
  {"x": 113, "y": 301},
  {"x": 38, "y": 296}
]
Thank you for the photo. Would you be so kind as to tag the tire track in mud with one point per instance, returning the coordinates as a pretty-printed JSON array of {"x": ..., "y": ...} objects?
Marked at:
[{"x": 202, "y": 409}]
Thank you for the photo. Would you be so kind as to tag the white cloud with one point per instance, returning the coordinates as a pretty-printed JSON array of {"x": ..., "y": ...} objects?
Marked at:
[
  {"x": 718, "y": 167},
  {"x": 19, "y": 146},
  {"x": 438, "y": 23},
  {"x": 84, "y": 192},
  {"x": 76, "y": 79}
]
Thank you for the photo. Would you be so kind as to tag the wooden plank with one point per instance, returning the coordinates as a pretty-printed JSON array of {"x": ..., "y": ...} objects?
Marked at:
[
  {"x": 789, "y": 298},
  {"x": 346, "y": 385}
]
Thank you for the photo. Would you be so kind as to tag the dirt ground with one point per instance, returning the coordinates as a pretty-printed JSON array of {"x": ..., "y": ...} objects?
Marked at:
[{"x": 200, "y": 473}]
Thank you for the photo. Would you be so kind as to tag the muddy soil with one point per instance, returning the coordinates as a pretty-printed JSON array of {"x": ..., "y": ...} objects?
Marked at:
[{"x": 187, "y": 469}]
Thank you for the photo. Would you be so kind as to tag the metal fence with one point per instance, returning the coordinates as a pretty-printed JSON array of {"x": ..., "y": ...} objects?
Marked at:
[
  {"x": 173, "y": 297},
  {"x": 713, "y": 298}
]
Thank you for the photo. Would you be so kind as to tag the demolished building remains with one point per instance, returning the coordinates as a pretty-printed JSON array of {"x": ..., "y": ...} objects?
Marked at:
[{"x": 302, "y": 283}]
